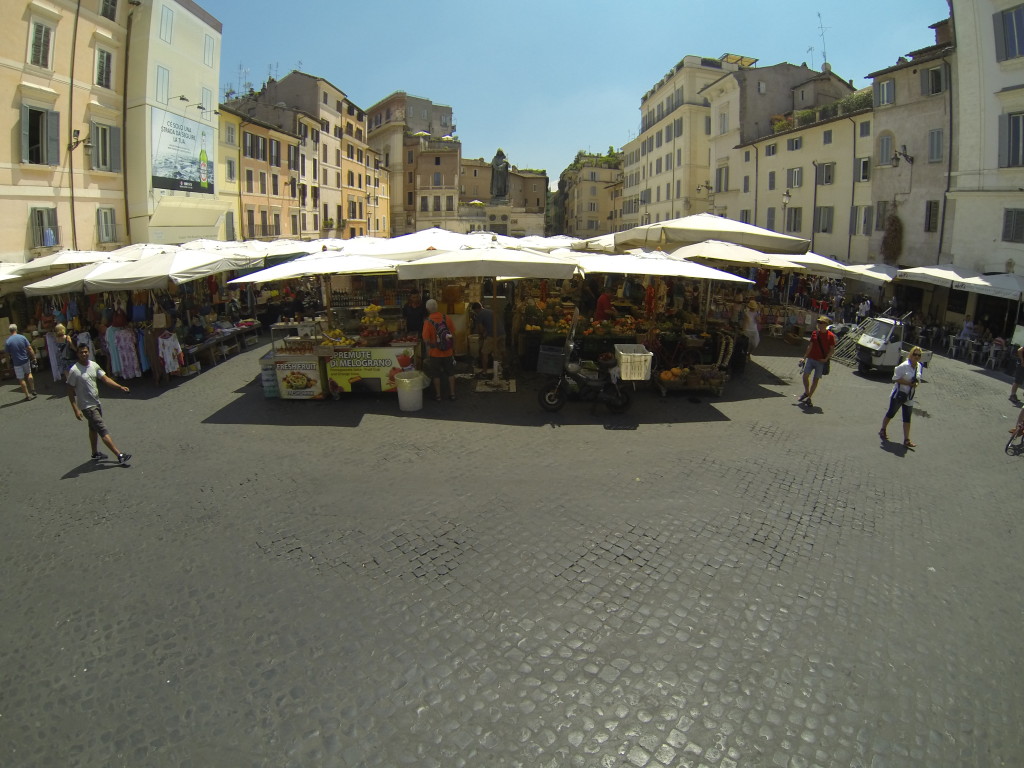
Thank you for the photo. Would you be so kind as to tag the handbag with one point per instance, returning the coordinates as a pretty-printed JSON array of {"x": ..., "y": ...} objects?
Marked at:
[
  {"x": 159, "y": 320},
  {"x": 827, "y": 369}
]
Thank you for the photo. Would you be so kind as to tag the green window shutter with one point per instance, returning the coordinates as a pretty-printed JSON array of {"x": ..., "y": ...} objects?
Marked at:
[
  {"x": 115, "y": 148},
  {"x": 1000, "y": 33},
  {"x": 24, "y": 133},
  {"x": 1004, "y": 140},
  {"x": 53, "y": 138}
]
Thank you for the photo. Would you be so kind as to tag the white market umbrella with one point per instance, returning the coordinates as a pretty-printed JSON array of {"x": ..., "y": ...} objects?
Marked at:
[
  {"x": 431, "y": 239},
  {"x": 1003, "y": 286},
  {"x": 72, "y": 281},
  {"x": 178, "y": 266},
  {"x": 60, "y": 259},
  {"x": 315, "y": 264},
  {"x": 488, "y": 262},
  {"x": 731, "y": 253},
  {"x": 706, "y": 226},
  {"x": 818, "y": 265},
  {"x": 943, "y": 275},
  {"x": 599, "y": 244},
  {"x": 547, "y": 244},
  {"x": 875, "y": 273},
  {"x": 656, "y": 263}
]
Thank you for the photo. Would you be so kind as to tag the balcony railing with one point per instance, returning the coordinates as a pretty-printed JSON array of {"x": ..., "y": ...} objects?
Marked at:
[
  {"x": 46, "y": 237},
  {"x": 257, "y": 231}
]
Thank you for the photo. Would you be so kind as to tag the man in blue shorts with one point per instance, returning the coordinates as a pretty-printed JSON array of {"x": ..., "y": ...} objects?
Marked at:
[
  {"x": 22, "y": 357},
  {"x": 818, "y": 354},
  {"x": 84, "y": 394}
]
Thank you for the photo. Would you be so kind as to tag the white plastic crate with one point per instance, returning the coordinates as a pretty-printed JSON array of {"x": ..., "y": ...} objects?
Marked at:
[{"x": 634, "y": 362}]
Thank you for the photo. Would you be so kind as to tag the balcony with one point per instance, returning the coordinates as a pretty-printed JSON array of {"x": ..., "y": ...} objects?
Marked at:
[{"x": 46, "y": 237}]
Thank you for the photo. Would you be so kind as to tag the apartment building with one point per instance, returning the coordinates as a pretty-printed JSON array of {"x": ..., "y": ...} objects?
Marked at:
[
  {"x": 170, "y": 136},
  {"x": 342, "y": 188},
  {"x": 589, "y": 195},
  {"x": 62, "y": 179},
  {"x": 914, "y": 154},
  {"x": 987, "y": 184}
]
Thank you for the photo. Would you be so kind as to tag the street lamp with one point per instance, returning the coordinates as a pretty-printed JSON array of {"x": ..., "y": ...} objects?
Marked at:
[{"x": 786, "y": 197}]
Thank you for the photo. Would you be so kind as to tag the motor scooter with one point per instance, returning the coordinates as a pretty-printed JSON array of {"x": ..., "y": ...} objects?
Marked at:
[{"x": 596, "y": 382}]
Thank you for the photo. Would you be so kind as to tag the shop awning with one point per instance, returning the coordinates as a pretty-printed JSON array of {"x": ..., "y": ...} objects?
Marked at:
[
  {"x": 1003, "y": 286},
  {"x": 185, "y": 215}
]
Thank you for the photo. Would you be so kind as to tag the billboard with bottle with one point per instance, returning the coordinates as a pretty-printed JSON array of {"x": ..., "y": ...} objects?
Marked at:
[{"x": 183, "y": 153}]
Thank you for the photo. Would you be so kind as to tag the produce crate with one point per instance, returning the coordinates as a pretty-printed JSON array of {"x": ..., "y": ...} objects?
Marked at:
[
  {"x": 634, "y": 362},
  {"x": 550, "y": 360}
]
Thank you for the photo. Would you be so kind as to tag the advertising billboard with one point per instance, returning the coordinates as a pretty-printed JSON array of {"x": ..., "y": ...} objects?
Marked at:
[{"x": 183, "y": 153}]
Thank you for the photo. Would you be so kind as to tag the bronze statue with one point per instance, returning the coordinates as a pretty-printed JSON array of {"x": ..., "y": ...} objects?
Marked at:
[{"x": 499, "y": 175}]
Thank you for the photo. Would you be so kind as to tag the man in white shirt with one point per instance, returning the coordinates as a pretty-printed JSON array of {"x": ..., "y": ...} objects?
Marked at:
[{"x": 84, "y": 394}]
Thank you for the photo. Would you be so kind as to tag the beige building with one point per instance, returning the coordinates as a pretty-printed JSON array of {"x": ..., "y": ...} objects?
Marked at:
[
  {"x": 170, "y": 137},
  {"x": 589, "y": 195},
  {"x": 62, "y": 183},
  {"x": 434, "y": 186},
  {"x": 987, "y": 185},
  {"x": 914, "y": 153}
]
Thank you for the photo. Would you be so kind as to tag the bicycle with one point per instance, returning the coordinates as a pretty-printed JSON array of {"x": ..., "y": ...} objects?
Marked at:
[{"x": 1015, "y": 445}]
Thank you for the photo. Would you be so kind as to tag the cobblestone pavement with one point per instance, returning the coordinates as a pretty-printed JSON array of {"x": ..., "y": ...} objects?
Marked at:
[{"x": 702, "y": 581}]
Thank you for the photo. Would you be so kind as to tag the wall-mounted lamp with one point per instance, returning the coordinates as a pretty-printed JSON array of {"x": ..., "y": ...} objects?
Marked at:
[
  {"x": 705, "y": 187},
  {"x": 75, "y": 140},
  {"x": 786, "y": 197},
  {"x": 179, "y": 98},
  {"x": 902, "y": 153}
]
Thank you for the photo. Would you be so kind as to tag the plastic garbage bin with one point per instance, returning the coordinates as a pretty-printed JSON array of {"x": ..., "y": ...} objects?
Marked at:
[{"x": 410, "y": 390}]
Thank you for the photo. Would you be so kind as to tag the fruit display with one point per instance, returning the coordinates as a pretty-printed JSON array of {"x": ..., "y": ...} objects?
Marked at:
[
  {"x": 373, "y": 331},
  {"x": 335, "y": 338}
]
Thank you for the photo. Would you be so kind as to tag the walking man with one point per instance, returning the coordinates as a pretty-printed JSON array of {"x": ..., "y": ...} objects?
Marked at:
[
  {"x": 816, "y": 358},
  {"x": 84, "y": 394},
  {"x": 23, "y": 357}
]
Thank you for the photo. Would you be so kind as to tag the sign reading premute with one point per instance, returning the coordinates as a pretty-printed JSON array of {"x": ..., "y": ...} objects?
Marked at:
[{"x": 183, "y": 153}]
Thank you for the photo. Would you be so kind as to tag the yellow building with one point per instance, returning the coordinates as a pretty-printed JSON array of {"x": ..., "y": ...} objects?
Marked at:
[
  {"x": 589, "y": 196},
  {"x": 63, "y": 179}
]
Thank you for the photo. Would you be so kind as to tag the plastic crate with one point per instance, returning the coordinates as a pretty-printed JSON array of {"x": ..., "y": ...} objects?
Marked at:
[
  {"x": 550, "y": 360},
  {"x": 634, "y": 362}
]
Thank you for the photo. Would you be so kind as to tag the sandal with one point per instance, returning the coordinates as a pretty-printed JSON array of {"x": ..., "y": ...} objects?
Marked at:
[
  {"x": 908, "y": 444},
  {"x": 881, "y": 434}
]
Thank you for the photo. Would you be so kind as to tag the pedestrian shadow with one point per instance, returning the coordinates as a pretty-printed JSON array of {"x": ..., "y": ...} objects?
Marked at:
[
  {"x": 88, "y": 467},
  {"x": 897, "y": 449}
]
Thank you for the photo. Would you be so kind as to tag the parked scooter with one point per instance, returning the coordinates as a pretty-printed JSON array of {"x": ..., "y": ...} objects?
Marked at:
[{"x": 585, "y": 381}]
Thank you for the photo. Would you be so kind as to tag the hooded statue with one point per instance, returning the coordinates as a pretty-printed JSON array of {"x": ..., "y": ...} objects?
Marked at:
[{"x": 499, "y": 175}]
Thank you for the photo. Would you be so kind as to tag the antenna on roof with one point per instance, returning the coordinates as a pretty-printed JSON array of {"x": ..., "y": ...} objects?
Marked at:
[
  {"x": 821, "y": 31},
  {"x": 810, "y": 50}
]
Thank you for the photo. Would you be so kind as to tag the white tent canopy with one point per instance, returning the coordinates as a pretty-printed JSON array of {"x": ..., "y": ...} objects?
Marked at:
[
  {"x": 819, "y": 265},
  {"x": 61, "y": 259},
  {"x": 1004, "y": 286},
  {"x": 875, "y": 273},
  {"x": 327, "y": 263},
  {"x": 180, "y": 266},
  {"x": 654, "y": 263},
  {"x": 488, "y": 262},
  {"x": 943, "y": 275},
  {"x": 72, "y": 281},
  {"x": 707, "y": 226},
  {"x": 731, "y": 253}
]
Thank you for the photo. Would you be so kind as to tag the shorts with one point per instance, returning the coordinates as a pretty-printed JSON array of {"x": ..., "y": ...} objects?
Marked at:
[
  {"x": 1018, "y": 375},
  {"x": 817, "y": 367},
  {"x": 441, "y": 366},
  {"x": 94, "y": 417},
  {"x": 21, "y": 372},
  {"x": 492, "y": 346}
]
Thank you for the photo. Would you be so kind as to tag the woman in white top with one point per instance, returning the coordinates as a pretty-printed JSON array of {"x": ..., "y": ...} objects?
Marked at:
[
  {"x": 906, "y": 377},
  {"x": 750, "y": 322}
]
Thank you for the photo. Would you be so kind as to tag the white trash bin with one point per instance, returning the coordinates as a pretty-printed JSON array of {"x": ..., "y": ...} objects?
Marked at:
[{"x": 410, "y": 390}]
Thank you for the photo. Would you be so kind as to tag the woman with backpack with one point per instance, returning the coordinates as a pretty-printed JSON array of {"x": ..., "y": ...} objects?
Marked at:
[{"x": 440, "y": 340}]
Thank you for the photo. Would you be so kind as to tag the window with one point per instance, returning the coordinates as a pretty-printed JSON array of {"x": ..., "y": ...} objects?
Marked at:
[
  {"x": 275, "y": 153},
  {"x": 770, "y": 221},
  {"x": 1009, "y": 33},
  {"x": 229, "y": 134},
  {"x": 823, "y": 218},
  {"x": 746, "y": 156},
  {"x": 746, "y": 183},
  {"x": 45, "y": 232},
  {"x": 707, "y": 125},
  {"x": 437, "y": 178},
  {"x": 1011, "y": 140},
  {"x": 40, "y": 45},
  {"x": 885, "y": 92},
  {"x": 592, "y": 207},
  {"x": 745, "y": 215},
  {"x": 208, "y": 51},
  {"x": 826, "y": 137},
  {"x": 933, "y": 80},
  {"x": 931, "y": 216},
  {"x": 794, "y": 177},
  {"x": 885, "y": 150},
  {"x": 771, "y": 179},
  {"x": 166, "y": 24},
  {"x": 865, "y": 128},
  {"x": 793, "y": 219},
  {"x": 106, "y": 225},
  {"x": 935, "y": 146},
  {"x": 248, "y": 180},
  {"x": 424, "y": 203},
  {"x": 230, "y": 169},
  {"x": 1013, "y": 225},
  {"x": 826, "y": 173},
  {"x": 869, "y": 213},
  {"x": 862, "y": 169},
  {"x": 723, "y": 122},
  {"x": 163, "y": 82},
  {"x": 437, "y": 160},
  {"x": 40, "y": 136},
  {"x": 770, "y": 150},
  {"x": 437, "y": 203},
  {"x": 722, "y": 179},
  {"x": 108, "y": 9},
  {"x": 106, "y": 147},
  {"x": 794, "y": 143},
  {"x": 449, "y": 203},
  {"x": 882, "y": 213},
  {"x": 263, "y": 182}
]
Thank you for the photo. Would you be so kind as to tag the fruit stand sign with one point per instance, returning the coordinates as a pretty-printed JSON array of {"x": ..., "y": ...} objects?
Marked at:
[{"x": 367, "y": 369}]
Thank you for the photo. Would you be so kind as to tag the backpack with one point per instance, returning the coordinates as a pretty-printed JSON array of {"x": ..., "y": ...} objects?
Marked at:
[{"x": 444, "y": 339}]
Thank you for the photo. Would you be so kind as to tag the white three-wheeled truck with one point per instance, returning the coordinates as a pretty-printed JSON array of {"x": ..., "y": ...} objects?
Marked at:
[{"x": 881, "y": 345}]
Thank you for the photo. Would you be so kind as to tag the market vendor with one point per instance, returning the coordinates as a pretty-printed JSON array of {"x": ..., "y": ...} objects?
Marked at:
[
  {"x": 605, "y": 310},
  {"x": 492, "y": 334}
]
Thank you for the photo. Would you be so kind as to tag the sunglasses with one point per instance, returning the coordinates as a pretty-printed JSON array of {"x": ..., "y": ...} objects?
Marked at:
[{"x": 916, "y": 354}]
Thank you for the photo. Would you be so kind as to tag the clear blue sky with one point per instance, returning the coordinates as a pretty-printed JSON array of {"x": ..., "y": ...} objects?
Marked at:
[{"x": 543, "y": 79}]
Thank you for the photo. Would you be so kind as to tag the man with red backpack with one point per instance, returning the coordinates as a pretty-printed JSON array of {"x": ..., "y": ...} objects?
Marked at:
[
  {"x": 817, "y": 358},
  {"x": 439, "y": 337}
]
